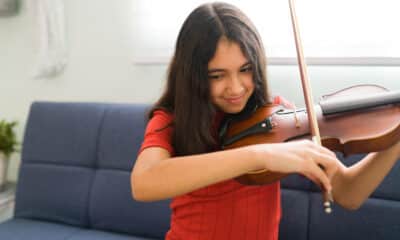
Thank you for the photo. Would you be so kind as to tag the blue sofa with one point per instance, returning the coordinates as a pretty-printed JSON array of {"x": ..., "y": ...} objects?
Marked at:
[{"x": 74, "y": 184}]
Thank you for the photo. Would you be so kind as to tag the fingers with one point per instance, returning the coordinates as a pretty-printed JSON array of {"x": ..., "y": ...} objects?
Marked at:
[
  {"x": 304, "y": 157},
  {"x": 328, "y": 166},
  {"x": 320, "y": 148},
  {"x": 318, "y": 176},
  {"x": 287, "y": 104},
  {"x": 284, "y": 102},
  {"x": 320, "y": 165},
  {"x": 328, "y": 162},
  {"x": 324, "y": 157}
]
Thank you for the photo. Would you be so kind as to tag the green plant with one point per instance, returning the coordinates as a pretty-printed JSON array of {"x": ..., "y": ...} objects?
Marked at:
[{"x": 8, "y": 138}]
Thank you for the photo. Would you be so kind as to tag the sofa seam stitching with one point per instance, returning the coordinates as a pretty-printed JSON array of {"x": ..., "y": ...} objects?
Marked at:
[{"x": 95, "y": 165}]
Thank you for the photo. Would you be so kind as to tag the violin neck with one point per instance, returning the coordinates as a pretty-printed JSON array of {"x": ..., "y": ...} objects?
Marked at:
[{"x": 346, "y": 104}]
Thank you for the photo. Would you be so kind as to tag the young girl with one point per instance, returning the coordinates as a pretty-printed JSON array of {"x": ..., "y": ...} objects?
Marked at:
[{"x": 219, "y": 70}]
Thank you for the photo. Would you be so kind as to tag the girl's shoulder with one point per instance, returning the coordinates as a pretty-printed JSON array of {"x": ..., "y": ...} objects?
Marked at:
[
  {"x": 162, "y": 114},
  {"x": 160, "y": 119},
  {"x": 158, "y": 132}
]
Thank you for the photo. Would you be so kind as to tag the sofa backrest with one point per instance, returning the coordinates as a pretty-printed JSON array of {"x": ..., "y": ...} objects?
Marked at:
[{"x": 76, "y": 164}]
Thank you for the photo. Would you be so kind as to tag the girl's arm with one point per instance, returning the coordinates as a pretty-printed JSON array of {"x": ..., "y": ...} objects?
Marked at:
[
  {"x": 353, "y": 185},
  {"x": 156, "y": 175}
]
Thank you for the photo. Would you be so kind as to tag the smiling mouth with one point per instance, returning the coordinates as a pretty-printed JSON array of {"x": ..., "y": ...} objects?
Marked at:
[{"x": 235, "y": 100}]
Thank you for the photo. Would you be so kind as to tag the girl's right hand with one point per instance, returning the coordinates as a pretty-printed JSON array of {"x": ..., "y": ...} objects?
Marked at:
[{"x": 304, "y": 157}]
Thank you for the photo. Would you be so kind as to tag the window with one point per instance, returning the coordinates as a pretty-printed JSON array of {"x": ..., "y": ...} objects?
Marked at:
[{"x": 332, "y": 32}]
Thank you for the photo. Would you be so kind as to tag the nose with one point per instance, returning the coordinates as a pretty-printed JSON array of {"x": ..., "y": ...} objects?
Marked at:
[{"x": 235, "y": 86}]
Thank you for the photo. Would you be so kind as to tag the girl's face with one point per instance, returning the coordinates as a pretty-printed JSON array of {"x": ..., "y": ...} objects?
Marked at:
[{"x": 231, "y": 77}]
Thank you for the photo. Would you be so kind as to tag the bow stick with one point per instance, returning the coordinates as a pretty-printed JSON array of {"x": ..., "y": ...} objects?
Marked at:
[{"x": 308, "y": 96}]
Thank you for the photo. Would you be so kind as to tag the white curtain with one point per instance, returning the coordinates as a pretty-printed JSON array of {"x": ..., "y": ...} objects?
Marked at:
[{"x": 52, "y": 49}]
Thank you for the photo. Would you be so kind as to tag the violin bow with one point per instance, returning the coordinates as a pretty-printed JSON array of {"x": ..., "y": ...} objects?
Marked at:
[{"x": 312, "y": 119}]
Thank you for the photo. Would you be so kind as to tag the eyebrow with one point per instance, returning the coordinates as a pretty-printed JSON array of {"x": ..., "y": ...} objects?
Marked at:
[{"x": 213, "y": 70}]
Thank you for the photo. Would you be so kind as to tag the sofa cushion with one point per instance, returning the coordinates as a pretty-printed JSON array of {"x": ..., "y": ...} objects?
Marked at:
[
  {"x": 53, "y": 192},
  {"x": 376, "y": 219},
  {"x": 101, "y": 235},
  {"x": 62, "y": 133},
  {"x": 297, "y": 182},
  {"x": 111, "y": 204},
  {"x": 113, "y": 208},
  {"x": 120, "y": 136},
  {"x": 389, "y": 188},
  {"x": 58, "y": 161},
  {"x": 295, "y": 205},
  {"x": 24, "y": 229}
]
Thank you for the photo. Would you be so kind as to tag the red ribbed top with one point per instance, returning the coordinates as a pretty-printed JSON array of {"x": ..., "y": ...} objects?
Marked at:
[{"x": 226, "y": 210}]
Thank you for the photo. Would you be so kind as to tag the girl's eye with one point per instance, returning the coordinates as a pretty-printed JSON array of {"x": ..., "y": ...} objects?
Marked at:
[
  {"x": 246, "y": 69},
  {"x": 215, "y": 77}
]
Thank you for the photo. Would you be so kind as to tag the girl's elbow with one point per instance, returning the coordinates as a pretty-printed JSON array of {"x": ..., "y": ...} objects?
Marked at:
[
  {"x": 136, "y": 190},
  {"x": 351, "y": 205},
  {"x": 143, "y": 190},
  {"x": 136, "y": 195},
  {"x": 140, "y": 197}
]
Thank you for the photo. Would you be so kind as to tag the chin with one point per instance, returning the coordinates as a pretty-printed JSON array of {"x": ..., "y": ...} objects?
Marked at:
[{"x": 232, "y": 109}]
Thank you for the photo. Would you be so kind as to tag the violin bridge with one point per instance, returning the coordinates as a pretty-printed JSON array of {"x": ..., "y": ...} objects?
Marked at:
[{"x": 296, "y": 119}]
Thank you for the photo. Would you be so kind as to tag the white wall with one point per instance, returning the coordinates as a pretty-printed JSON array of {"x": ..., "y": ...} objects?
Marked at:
[{"x": 101, "y": 40}]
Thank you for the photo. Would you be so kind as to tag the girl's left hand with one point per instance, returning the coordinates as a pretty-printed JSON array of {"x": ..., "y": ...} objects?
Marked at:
[{"x": 284, "y": 102}]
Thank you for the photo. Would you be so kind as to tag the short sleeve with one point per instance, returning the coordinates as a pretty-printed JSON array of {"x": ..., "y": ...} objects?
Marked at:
[{"x": 158, "y": 132}]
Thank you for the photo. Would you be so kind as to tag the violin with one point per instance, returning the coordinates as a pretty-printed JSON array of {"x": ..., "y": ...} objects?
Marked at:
[
  {"x": 354, "y": 120},
  {"x": 358, "y": 119}
]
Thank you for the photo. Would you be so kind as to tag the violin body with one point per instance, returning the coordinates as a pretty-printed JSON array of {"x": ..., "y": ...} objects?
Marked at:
[{"x": 364, "y": 128}]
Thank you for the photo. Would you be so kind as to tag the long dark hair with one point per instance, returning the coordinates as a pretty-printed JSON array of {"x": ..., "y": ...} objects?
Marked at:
[{"x": 187, "y": 94}]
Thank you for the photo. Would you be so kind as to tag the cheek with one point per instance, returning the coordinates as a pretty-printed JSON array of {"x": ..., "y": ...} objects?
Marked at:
[
  {"x": 216, "y": 89},
  {"x": 249, "y": 83}
]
